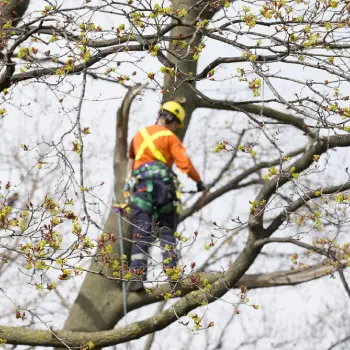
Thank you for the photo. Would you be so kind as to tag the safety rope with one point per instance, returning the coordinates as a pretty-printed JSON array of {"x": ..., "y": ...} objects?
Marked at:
[
  {"x": 118, "y": 211},
  {"x": 121, "y": 247}
]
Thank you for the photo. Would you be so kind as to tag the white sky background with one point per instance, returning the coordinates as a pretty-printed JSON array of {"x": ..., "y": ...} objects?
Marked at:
[{"x": 287, "y": 315}]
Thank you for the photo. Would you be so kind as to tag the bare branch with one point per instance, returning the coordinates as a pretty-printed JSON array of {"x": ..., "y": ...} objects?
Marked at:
[
  {"x": 292, "y": 207},
  {"x": 344, "y": 282},
  {"x": 261, "y": 242},
  {"x": 317, "y": 148},
  {"x": 225, "y": 60},
  {"x": 207, "y": 102},
  {"x": 235, "y": 183}
]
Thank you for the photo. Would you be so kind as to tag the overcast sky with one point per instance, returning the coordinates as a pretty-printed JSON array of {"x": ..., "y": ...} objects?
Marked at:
[{"x": 287, "y": 314}]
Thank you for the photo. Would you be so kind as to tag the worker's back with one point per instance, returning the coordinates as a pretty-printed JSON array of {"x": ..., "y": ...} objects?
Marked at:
[{"x": 160, "y": 138}]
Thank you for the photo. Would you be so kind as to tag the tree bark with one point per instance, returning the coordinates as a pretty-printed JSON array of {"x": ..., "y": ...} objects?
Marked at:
[
  {"x": 177, "y": 88},
  {"x": 99, "y": 304},
  {"x": 13, "y": 10},
  {"x": 11, "y": 13}
]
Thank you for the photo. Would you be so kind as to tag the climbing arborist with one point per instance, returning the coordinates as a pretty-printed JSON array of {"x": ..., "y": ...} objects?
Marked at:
[{"x": 153, "y": 151}]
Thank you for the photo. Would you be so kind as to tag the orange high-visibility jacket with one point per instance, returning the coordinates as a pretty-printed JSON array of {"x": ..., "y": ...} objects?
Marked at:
[{"x": 156, "y": 142}]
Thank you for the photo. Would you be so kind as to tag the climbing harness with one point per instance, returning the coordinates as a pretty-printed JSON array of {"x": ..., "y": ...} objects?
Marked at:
[{"x": 147, "y": 173}]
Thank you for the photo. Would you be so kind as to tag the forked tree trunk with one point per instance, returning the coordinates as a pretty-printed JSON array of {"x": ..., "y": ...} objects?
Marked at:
[{"x": 99, "y": 304}]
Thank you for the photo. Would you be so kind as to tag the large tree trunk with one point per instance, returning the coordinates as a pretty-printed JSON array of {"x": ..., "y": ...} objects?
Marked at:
[
  {"x": 99, "y": 304},
  {"x": 175, "y": 86}
]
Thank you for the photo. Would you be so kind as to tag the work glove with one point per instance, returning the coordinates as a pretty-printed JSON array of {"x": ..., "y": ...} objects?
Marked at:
[{"x": 201, "y": 186}]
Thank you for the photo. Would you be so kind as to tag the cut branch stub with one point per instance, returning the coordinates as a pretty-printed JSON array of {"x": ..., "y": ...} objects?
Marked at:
[{"x": 123, "y": 122}]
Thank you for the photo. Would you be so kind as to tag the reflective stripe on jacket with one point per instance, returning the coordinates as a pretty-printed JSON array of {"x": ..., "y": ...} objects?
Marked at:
[{"x": 156, "y": 142}]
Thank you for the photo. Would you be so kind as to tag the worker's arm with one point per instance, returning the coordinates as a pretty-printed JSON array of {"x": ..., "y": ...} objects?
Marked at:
[{"x": 182, "y": 161}]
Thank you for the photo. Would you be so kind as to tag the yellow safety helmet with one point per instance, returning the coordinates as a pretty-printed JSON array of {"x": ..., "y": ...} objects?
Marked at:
[{"x": 176, "y": 109}]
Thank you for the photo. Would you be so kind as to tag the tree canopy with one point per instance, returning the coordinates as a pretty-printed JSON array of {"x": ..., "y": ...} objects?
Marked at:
[{"x": 265, "y": 86}]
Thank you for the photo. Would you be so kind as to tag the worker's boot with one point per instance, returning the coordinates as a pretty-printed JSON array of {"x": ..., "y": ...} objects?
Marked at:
[{"x": 135, "y": 286}]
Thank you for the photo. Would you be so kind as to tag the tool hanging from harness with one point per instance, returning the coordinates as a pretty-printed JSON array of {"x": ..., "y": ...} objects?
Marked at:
[{"x": 150, "y": 174}]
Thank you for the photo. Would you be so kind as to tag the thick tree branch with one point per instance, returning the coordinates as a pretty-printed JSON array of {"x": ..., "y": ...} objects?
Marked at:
[
  {"x": 19, "y": 335},
  {"x": 174, "y": 86},
  {"x": 122, "y": 126},
  {"x": 234, "y": 184},
  {"x": 207, "y": 102},
  {"x": 252, "y": 281},
  {"x": 225, "y": 60},
  {"x": 317, "y": 148}
]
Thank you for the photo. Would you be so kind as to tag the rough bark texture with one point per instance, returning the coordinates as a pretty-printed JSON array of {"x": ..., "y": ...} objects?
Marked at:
[{"x": 176, "y": 87}]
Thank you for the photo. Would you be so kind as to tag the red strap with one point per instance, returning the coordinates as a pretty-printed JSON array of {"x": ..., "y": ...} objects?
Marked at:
[{"x": 142, "y": 189}]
